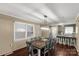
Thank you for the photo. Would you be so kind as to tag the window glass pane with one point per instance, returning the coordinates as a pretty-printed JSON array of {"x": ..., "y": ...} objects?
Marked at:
[
  {"x": 19, "y": 35},
  {"x": 68, "y": 30},
  {"x": 20, "y": 29},
  {"x": 29, "y": 30}
]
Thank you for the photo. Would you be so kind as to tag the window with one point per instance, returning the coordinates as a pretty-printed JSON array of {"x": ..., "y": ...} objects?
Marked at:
[
  {"x": 69, "y": 30},
  {"x": 29, "y": 30},
  {"x": 22, "y": 31}
]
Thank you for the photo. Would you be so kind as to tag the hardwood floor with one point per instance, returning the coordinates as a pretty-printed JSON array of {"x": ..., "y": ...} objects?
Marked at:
[
  {"x": 60, "y": 50},
  {"x": 20, "y": 52},
  {"x": 64, "y": 50}
]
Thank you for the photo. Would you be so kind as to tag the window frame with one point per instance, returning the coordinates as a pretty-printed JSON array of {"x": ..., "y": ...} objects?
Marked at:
[
  {"x": 33, "y": 30},
  {"x": 25, "y": 31},
  {"x": 70, "y": 25}
]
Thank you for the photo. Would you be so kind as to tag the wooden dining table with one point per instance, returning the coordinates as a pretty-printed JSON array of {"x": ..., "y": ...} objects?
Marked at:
[{"x": 39, "y": 44}]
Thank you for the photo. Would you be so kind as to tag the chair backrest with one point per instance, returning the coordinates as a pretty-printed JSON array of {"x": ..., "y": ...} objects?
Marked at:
[
  {"x": 47, "y": 45},
  {"x": 34, "y": 38},
  {"x": 29, "y": 45},
  {"x": 52, "y": 43}
]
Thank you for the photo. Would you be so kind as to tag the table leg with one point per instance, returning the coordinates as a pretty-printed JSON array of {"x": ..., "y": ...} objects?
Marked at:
[{"x": 39, "y": 52}]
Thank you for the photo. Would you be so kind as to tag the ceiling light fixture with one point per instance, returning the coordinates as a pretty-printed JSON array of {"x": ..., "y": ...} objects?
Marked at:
[
  {"x": 45, "y": 20},
  {"x": 44, "y": 28},
  {"x": 60, "y": 24},
  {"x": 45, "y": 23}
]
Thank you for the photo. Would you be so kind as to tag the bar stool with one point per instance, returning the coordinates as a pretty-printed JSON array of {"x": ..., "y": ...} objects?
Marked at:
[
  {"x": 59, "y": 40},
  {"x": 64, "y": 40},
  {"x": 73, "y": 42},
  {"x": 69, "y": 41}
]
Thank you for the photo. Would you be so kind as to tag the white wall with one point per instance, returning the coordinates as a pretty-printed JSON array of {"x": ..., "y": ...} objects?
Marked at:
[
  {"x": 54, "y": 31},
  {"x": 77, "y": 34},
  {"x": 7, "y": 43},
  {"x": 5, "y": 36}
]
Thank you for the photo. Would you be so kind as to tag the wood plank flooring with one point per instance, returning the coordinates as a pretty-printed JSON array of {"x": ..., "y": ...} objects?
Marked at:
[
  {"x": 60, "y": 50},
  {"x": 64, "y": 50}
]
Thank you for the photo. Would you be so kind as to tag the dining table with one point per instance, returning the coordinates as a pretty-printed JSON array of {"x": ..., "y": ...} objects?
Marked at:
[{"x": 39, "y": 44}]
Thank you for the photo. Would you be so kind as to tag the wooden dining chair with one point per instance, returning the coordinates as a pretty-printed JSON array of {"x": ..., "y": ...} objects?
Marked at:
[
  {"x": 29, "y": 48},
  {"x": 34, "y": 51},
  {"x": 52, "y": 44},
  {"x": 46, "y": 48}
]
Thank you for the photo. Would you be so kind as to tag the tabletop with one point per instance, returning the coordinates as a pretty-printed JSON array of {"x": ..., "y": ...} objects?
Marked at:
[{"x": 39, "y": 44}]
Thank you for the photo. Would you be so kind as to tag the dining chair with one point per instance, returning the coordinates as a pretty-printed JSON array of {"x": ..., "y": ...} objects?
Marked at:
[
  {"x": 34, "y": 51},
  {"x": 53, "y": 42},
  {"x": 29, "y": 47},
  {"x": 50, "y": 44},
  {"x": 34, "y": 38},
  {"x": 46, "y": 48}
]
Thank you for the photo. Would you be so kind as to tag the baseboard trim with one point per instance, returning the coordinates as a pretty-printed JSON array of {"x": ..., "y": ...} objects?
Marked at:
[
  {"x": 14, "y": 51},
  {"x": 8, "y": 53}
]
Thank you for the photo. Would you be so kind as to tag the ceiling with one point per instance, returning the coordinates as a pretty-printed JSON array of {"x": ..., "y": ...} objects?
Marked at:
[{"x": 34, "y": 12}]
